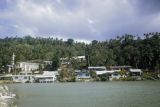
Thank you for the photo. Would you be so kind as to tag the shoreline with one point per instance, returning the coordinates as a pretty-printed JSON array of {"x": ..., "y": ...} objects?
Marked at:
[{"x": 11, "y": 82}]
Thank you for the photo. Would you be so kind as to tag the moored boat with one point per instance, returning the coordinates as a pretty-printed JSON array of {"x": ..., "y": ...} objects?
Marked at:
[{"x": 7, "y": 95}]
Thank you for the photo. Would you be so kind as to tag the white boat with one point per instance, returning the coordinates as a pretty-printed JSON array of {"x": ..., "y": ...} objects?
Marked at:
[{"x": 7, "y": 95}]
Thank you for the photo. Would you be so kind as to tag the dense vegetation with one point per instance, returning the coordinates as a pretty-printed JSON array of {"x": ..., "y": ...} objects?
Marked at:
[{"x": 131, "y": 50}]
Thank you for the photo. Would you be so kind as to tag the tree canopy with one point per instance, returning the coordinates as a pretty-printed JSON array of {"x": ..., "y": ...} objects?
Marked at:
[{"x": 131, "y": 50}]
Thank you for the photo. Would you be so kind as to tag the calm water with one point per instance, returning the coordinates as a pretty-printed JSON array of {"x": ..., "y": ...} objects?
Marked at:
[{"x": 107, "y": 94}]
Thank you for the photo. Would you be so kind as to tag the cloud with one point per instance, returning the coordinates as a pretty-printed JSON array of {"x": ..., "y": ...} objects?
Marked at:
[
  {"x": 78, "y": 19},
  {"x": 146, "y": 6}
]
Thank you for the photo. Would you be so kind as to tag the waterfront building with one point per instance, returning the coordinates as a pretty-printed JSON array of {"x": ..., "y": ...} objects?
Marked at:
[
  {"x": 83, "y": 76},
  {"x": 46, "y": 77},
  {"x": 23, "y": 77},
  {"x": 136, "y": 73},
  {"x": 100, "y": 70},
  {"x": 116, "y": 76},
  {"x": 119, "y": 68}
]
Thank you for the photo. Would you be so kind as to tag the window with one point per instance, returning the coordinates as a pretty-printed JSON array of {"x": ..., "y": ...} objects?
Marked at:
[
  {"x": 25, "y": 77},
  {"x": 15, "y": 77}
]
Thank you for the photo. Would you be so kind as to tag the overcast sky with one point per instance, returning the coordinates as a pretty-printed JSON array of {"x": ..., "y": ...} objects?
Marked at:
[{"x": 79, "y": 19}]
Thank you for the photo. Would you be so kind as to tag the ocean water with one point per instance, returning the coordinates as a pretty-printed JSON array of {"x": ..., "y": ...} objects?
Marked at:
[{"x": 88, "y": 94}]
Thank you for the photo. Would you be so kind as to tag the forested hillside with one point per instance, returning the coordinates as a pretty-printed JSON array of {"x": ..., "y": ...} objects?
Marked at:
[{"x": 131, "y": 50}]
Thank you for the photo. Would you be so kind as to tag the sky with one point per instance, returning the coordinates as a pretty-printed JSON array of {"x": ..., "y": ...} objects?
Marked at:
[{"x": 82, "y": 20}]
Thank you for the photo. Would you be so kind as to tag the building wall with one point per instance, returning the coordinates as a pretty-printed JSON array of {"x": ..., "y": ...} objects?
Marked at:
[{"x": 25, "y": 66}]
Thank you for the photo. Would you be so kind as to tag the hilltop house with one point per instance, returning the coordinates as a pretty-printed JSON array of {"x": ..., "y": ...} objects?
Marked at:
[{"x": 65, "y": 61}]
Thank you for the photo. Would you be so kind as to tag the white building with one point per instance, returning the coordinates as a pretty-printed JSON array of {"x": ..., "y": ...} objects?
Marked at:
[
  {"x": 135, "y": 72},
  {"x": 83, "y": 76},
  {"x": 66, "y": 61},
  {"x": 28, "y": 66},
  {"x": 119, "y": 68},
  {"x": 100, "y": 70},
  {"x": 47, "y": 77},
  {"x": 80, "y": 58},
  {"x": 116, "y": 76},
  {"x": 48, "y": 62},
  {"x": 23, "y": 77}
]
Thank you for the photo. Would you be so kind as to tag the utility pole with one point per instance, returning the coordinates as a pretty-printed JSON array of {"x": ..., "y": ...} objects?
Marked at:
[{"x": 13, "y": 63}]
